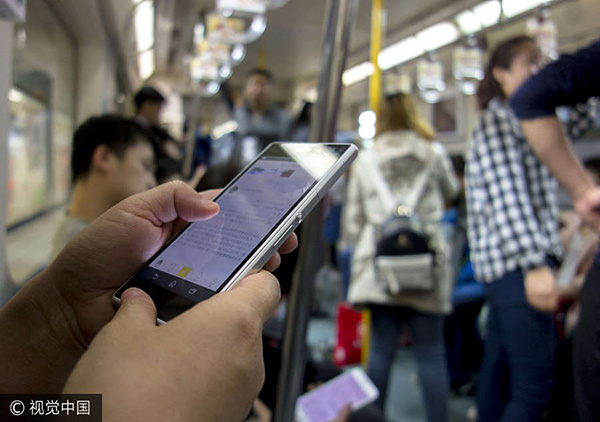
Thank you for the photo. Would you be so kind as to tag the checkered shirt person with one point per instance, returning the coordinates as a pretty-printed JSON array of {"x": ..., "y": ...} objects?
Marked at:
[{"x": 511, "y": 199}]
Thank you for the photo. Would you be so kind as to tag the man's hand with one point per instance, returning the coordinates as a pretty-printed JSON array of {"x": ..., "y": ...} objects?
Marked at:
[
  {"x": 540, "y": 289},
  {"x": 114, "y": 246},
  {"x": 205, "y": 364},
  {"x": 100, "y": 258},
  {"x": 55, "y": 316},
  {"x": 587, "y": 206}
]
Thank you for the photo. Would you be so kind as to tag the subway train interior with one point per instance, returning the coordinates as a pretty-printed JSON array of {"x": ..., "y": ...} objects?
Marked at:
[{"x": 442, "y": 101}]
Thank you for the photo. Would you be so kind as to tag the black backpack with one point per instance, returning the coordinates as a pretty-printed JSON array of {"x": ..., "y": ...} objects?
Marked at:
[{"x": 403, "y": 256}]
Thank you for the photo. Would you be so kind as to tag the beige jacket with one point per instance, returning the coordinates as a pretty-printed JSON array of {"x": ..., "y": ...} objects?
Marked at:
[{"x": 401, "y": 156}]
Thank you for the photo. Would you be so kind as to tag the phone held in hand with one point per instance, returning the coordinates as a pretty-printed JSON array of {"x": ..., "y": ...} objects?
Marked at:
[
  {"x": 259, "y": 209},
  {"x": 325, "y": 402}
]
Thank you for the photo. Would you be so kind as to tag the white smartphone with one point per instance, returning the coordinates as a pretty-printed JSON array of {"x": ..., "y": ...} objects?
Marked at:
[
  {"x": 259, "y": 209},
  {"x": 324, "y": 403}
]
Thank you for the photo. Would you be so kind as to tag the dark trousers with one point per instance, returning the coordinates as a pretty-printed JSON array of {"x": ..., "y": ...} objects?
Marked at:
[
  {"x": 464, "y": 348},
  {"x": 516, "y": 376},
  {"x": 586, "y": 351},
  {"x": 428, "y": 346}
]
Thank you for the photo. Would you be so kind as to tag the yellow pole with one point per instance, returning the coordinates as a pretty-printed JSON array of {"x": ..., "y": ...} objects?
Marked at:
[
  {"x": 376, "y": 37},
  {"x": 261, "y": 62}
]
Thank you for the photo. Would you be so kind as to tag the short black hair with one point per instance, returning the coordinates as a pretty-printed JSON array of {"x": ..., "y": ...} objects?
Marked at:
[
  {"x": 116, "y": 132},
  {"x": 148, "y": 93},
  {"x": 261, "y": 72}
]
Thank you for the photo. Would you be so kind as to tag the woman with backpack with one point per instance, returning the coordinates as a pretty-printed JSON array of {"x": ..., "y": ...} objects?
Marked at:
[{"x": 399, "y": 187}]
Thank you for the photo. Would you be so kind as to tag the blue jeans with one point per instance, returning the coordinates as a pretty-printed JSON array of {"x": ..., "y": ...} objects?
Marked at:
[
  {"x": 428, "y": 345},
  {"x": 517, "y": 373}
]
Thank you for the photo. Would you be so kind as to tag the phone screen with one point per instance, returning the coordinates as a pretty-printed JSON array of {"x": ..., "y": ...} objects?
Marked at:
[
  {"x": 325, "y": 402},
  {"x": 204, "y": 256}
]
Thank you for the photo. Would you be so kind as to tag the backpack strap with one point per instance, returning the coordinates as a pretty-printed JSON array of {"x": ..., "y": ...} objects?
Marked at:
[
  {"x": 405, "y": 205},
  {"x": 374, "y": 174},
  {"x": 412, "y": 199}
]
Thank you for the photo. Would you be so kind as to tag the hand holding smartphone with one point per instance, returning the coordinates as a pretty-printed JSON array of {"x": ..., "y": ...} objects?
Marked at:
[{"x": 259, "y": 209}]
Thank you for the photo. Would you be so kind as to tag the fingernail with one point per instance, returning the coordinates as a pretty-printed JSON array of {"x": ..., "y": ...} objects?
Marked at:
[
  {"x": 132, "y": 292},
  {"x": 209, "y": 205}
]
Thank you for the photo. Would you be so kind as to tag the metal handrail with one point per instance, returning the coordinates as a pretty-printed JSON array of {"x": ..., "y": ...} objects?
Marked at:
[
  {"x": 338, "y": 27},
  {"x": 6, "y": 54}
]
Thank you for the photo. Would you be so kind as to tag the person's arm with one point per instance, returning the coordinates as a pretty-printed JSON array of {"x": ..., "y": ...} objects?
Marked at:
[
  {"x": 51, "y": 321},
  {"x": 570, "y": 80},
  {"x": 547, "y": 139},
  {"x": 506, "y": 190},
  {"x": 39, "y": 346}
]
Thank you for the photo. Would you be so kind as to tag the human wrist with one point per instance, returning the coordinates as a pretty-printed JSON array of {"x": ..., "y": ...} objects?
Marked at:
[
  {"x": 533, "y": 271},
  {"x": 39, "y": 347},
  {"x": 580, "y": 190}
]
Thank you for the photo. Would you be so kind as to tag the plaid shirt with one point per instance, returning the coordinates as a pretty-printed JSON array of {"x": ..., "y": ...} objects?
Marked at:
[{"x": 511, "y": 199}]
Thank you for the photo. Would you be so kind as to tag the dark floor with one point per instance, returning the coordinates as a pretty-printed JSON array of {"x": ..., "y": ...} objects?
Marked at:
[{"x": 404, "y": 402}]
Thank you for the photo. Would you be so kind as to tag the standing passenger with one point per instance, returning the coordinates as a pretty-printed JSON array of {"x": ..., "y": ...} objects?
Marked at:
[
  {"x": 402, "y": 150},
  {"x": 513, "y": 234},
  {"x": 259, "y": 120},
  {"x": 570, "y": 80},
  {"x": 149, "y": 104}
]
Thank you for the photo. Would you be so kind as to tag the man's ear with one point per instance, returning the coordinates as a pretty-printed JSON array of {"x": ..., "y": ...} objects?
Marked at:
[
  {"x": 498, "y": 74},
  {"x": 103, "y": 159}
]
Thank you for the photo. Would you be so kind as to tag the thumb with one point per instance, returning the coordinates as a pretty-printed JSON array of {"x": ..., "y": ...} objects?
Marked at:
[{"x": 136, "y": 307}]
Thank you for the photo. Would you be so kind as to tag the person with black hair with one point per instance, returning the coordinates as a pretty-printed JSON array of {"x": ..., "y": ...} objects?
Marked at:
[
  {"x": 149, "y": 104},
  {"x": 259, "y": 120},
  {"x": 570, "y": 80},
  {"x": 514, "y": 240},
  {"x": 112, "y": 158}
]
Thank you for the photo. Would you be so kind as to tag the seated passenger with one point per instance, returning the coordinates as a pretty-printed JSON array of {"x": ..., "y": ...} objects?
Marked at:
[{"x": 112, "y": 159}]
